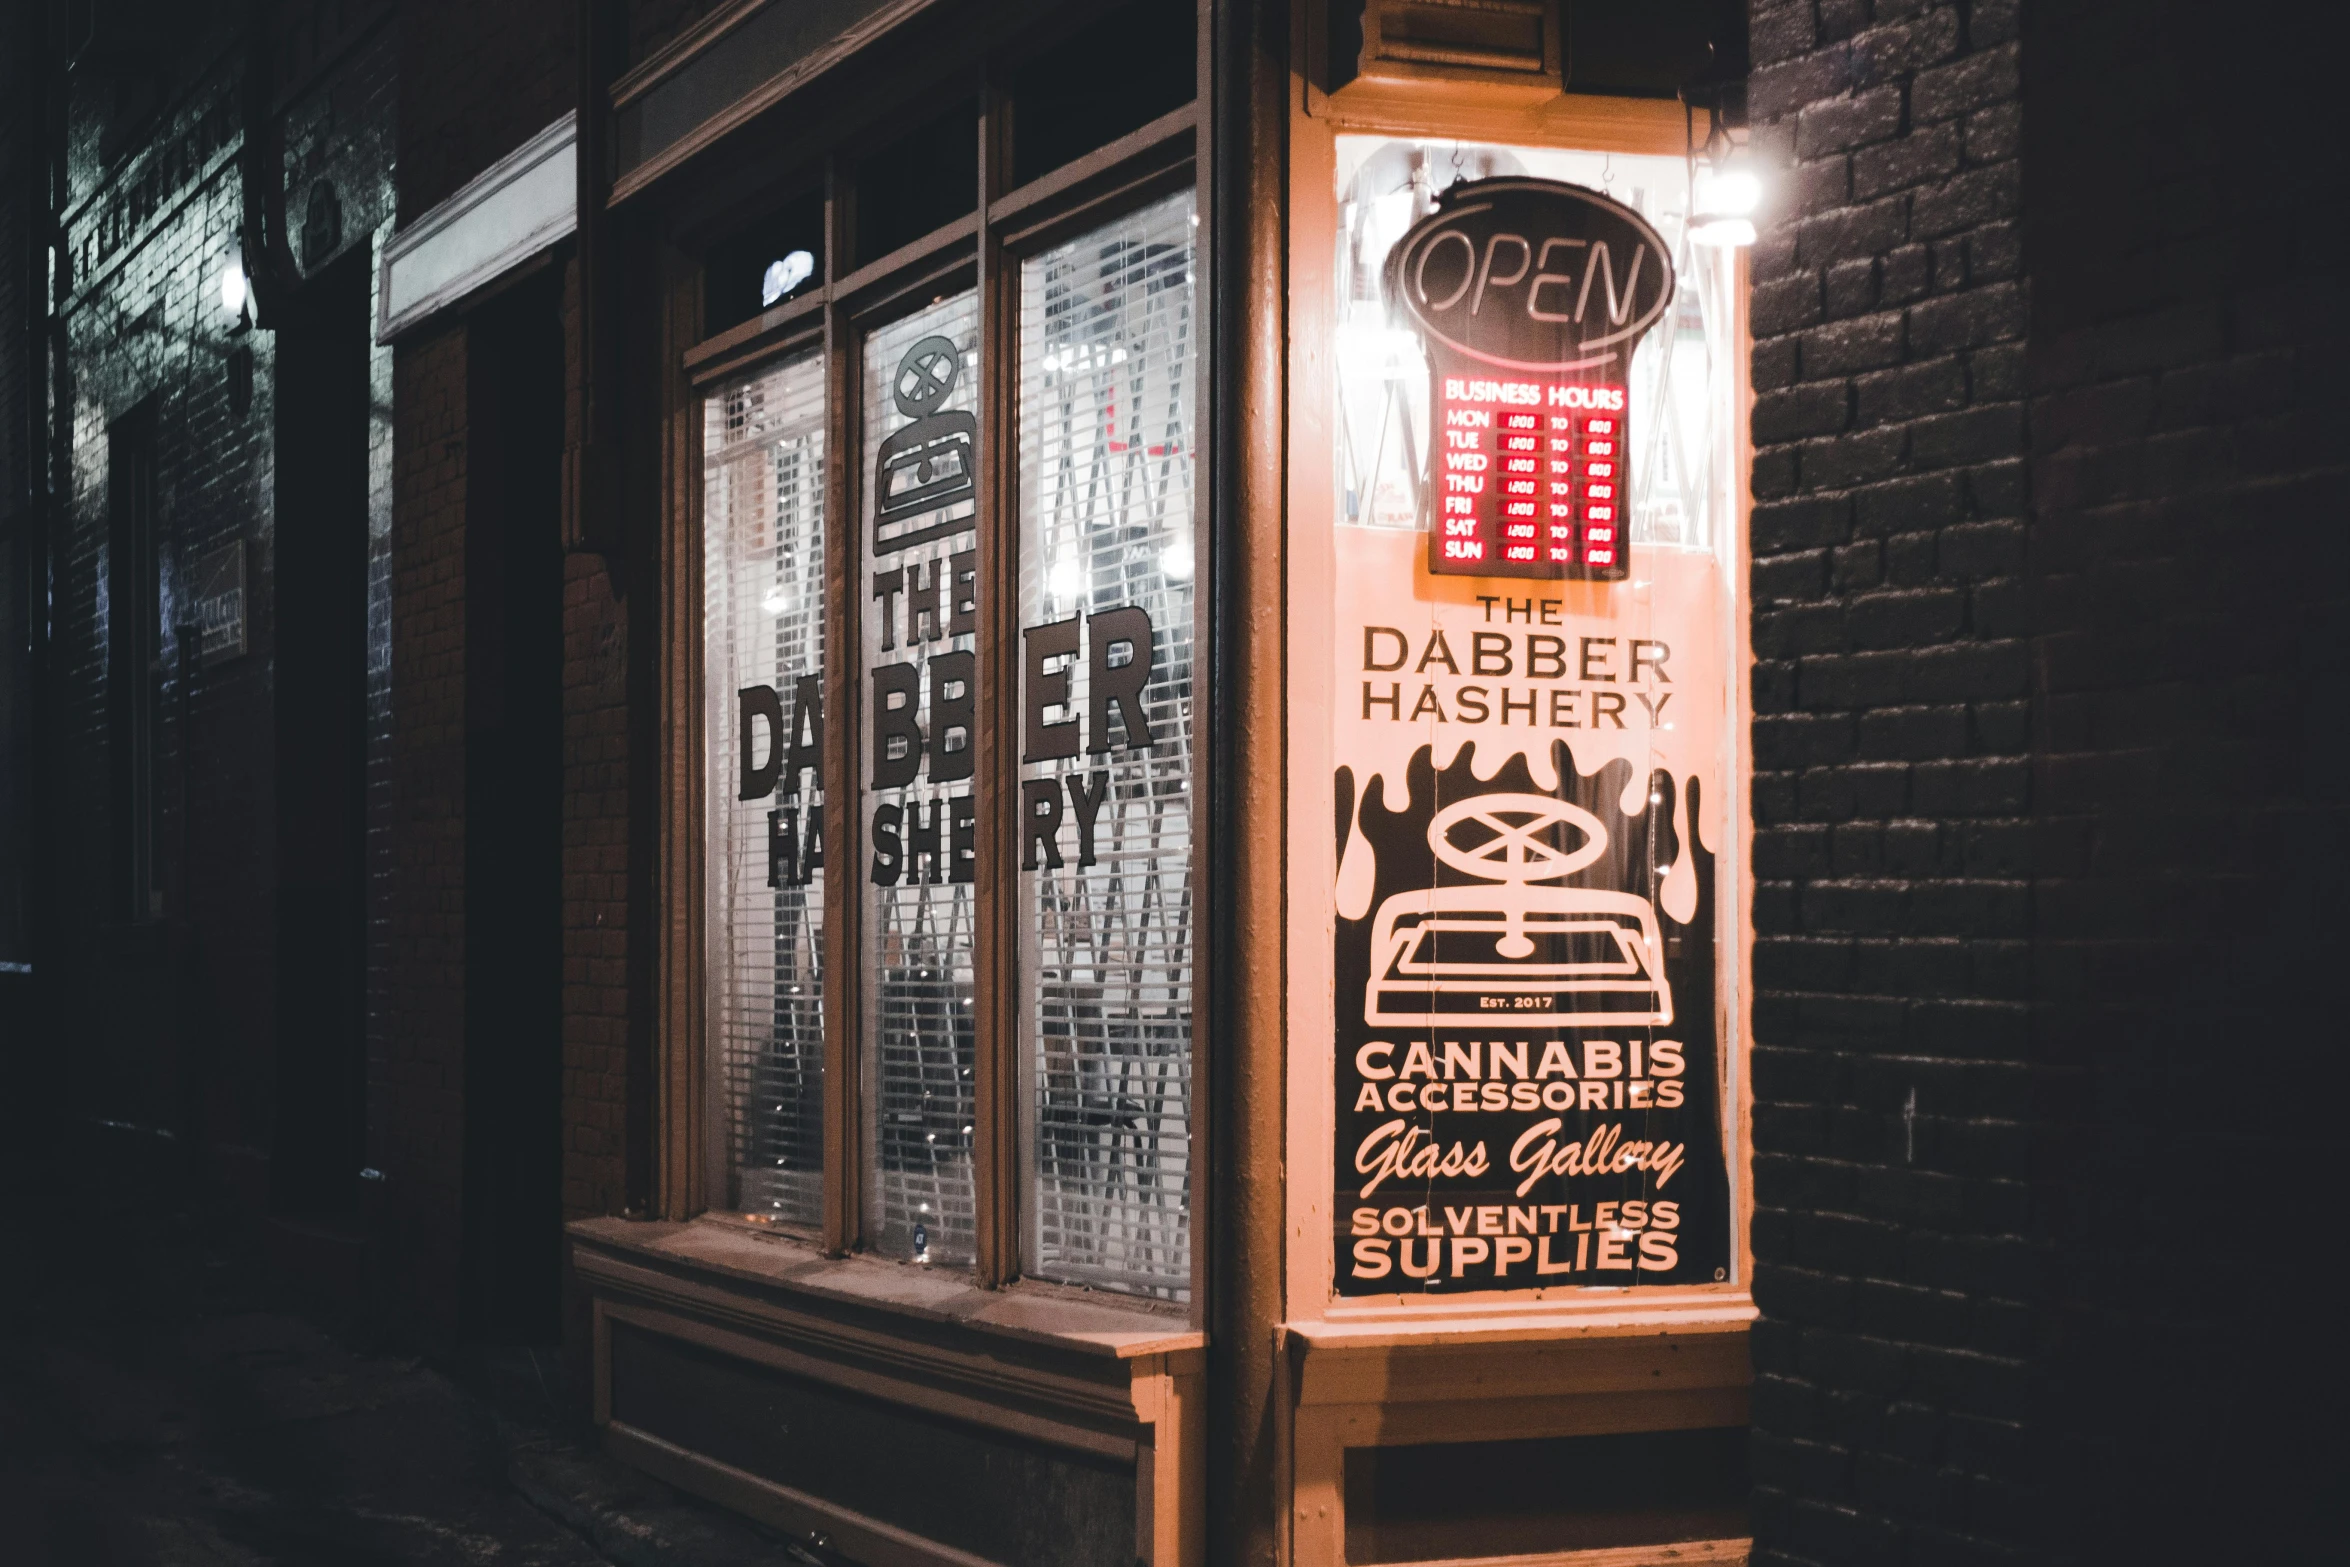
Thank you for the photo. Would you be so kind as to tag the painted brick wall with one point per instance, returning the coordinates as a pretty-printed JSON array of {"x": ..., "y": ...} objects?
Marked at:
[{"x": 1893, "y": 1073}]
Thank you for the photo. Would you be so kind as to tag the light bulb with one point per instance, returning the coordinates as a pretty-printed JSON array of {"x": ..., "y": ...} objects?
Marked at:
[
  {"x": 1731, "y": 191},
  {"x": 232, "y": 286},
  {"x": 1175, "y": 560},
  {"x": 1064, "y": 579},
  {"x": 1724, "y": 203}
]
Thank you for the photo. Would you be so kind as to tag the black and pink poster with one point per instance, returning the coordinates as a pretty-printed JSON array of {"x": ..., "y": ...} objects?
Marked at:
[{"x": 1529, "y": 783}]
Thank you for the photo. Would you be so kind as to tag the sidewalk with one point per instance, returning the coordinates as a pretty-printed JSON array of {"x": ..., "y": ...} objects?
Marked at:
[{"x": 163, "y": 1403}]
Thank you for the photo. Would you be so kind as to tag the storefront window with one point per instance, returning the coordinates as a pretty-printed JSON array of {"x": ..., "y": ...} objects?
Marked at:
[
  {"x": 1535, "y": 939},
  {"x": 1107, "y": 372},
  {"x": 763, "y": 597},
  {"x": 919, "y": 613},
  {"x": 1011, "y": 1064}
]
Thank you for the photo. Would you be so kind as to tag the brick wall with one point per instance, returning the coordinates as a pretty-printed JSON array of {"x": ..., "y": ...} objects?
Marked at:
[
  {"x": 1893, "y": 1068},
  {"x": 417, "y": 1111},
  {"x": 596, "y": 848},
  {"x": 23, "y": 182},
  {"x": 2051, "y": 693},
  {"x": 2192, "y": 577},
  {"x": 176, "y": 1027},
  {"x": 184, "y": 1038},
  {"x": 451, "y": 130}
]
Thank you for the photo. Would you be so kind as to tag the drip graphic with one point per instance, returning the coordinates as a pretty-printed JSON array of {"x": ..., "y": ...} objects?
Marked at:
[
  {"x": 1524, "y": 1031},
  {"x": 1678, "y": 896},
  {"x": 1358, "y": 872}
]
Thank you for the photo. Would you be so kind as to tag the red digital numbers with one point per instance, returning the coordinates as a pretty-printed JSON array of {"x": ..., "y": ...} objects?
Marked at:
[{"x": 1527, "y": 479}]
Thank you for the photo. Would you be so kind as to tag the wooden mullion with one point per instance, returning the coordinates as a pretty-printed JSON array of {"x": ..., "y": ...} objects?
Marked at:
[
  {"x": 843, "y": 908},
  {"x": 1205, "y": 884},
  {"x": 682, "y": 1079},
  {"x": 775, "y": 331},
  {"x": 996, "y": 961},
  {"x": 1163, "y": 140},
  {"x": 1046, "y": 224},
  {"x": 934, "y": 251}
]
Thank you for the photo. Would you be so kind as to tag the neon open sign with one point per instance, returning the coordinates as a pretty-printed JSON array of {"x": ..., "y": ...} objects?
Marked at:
[{"x": 1530, "y": 296}]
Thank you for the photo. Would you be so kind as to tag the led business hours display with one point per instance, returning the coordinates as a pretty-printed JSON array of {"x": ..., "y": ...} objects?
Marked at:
[
  {"x": 1529, "y": 297},
  {"x": 1528, "y": 480}
]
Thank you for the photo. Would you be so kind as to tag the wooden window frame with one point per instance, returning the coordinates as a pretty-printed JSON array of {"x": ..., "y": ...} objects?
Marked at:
[
  {"x": 982, "y": 249},
  {"x": 1569, "y": 123}
]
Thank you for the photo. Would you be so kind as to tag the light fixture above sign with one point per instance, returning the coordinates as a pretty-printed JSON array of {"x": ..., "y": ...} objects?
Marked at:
[
  {"x": 1530, "y": 296},
  {"x": 1725, "y": 198}
]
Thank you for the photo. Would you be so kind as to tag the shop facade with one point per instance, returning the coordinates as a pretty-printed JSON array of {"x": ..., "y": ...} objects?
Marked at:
[
  {"x": 1212, "y": 783},
  {"x": 1047, "y": 483}
]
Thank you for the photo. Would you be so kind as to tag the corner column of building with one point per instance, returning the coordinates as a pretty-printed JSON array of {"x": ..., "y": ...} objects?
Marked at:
[
  {"x": 418, "y": 1113},
  {"x": 1246, "y": 1068}
]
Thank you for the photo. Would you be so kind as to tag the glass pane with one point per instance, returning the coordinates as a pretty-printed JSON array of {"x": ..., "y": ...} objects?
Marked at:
[
  {"x": 920, "y": 391},
  {"x": 763, "y": 625},
  {"x": 1107, "y": 334},
  {"x": 1536, "y": 937}
]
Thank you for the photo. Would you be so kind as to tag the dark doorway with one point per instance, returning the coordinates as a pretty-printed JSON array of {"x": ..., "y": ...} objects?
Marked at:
[
  {"x": 320, "y": 670},
  {"x": 513, "y": 816}
]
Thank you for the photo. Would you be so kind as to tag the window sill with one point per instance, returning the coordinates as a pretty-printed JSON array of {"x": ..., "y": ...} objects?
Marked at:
[
  {"x": 1588, "y": 1314},
  {"x": 1039, "y": 1361},
  {"x": 1043, "y": 1317},
  {"x": 1114, "y": 1382}
]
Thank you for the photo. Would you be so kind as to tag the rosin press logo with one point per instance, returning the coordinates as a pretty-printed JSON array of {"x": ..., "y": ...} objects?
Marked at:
[
  {"x": 923, "y": 477},
  {"x": 1505, "y": 943},
  {"x": 1530, "y": 296}
]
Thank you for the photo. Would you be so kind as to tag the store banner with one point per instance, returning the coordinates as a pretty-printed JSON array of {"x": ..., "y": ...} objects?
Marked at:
[{"x": 1528, "y": 781}]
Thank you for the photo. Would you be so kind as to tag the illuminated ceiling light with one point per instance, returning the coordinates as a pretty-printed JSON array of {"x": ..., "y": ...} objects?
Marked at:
[{"x": 784, "y": 276}]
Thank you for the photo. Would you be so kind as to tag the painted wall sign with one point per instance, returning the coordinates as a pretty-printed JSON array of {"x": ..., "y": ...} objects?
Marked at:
[
  {"x": 1528, "y": 1061},
  {"x": 219, "y": 597},
  {"x": 1529, "y": 296}
]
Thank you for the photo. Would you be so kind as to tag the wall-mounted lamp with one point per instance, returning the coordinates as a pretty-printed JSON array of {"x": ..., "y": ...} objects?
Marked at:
[
  {"x": 1724, "y": 190},
  {"x": 235, "y": 294},
  {"x": 784, "y": 276},
  {"x": 1722, "y": 207}
]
